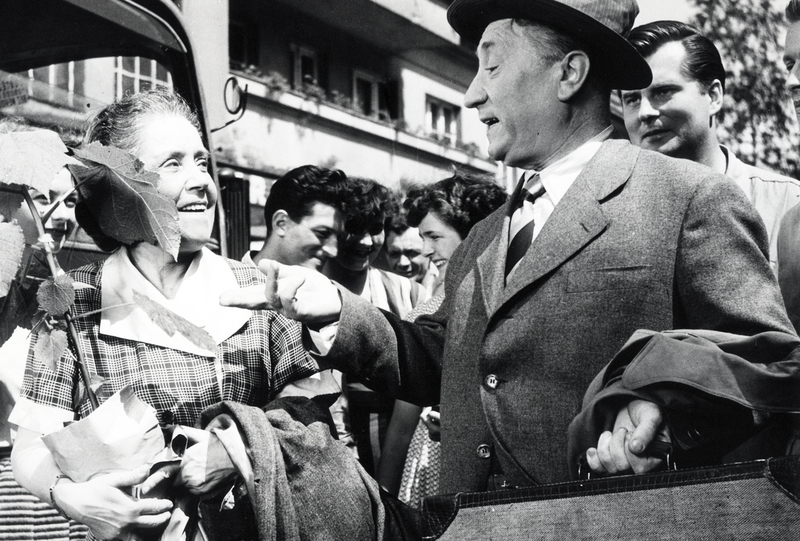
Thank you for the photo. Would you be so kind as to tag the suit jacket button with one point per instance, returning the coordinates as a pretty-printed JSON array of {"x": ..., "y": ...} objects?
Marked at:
[
  {"x": 484, "y": 451},
  {"x": 491, "y": 381}
]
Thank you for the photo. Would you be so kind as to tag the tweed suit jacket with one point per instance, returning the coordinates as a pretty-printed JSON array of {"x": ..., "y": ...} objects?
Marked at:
[{"x": 638, "y": 241}]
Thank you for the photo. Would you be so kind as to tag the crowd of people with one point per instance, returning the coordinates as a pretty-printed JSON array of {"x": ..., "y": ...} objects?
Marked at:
[{"x": 383, "y": 347}]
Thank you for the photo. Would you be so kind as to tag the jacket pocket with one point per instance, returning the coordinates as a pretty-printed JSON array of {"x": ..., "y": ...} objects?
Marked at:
[{"x": 639, "y": 276}]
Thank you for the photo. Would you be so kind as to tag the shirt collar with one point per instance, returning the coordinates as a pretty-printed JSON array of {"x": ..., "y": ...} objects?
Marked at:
[
  {"x": 560, "y": 175},
  {"x": 197, "y": 300}
]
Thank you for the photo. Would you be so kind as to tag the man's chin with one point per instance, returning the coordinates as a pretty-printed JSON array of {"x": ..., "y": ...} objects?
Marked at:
[{"x": 313, "y": 264}]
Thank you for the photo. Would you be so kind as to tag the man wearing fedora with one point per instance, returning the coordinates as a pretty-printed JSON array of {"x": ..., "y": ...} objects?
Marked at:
[{"x": 600, "y": 238}]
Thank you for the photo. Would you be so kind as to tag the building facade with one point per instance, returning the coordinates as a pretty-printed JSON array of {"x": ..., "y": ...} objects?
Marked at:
[{"x": 372, "y": 87}]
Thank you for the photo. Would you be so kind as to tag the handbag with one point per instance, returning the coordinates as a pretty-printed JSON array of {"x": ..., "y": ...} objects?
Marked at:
[{"x": 748, "y": 500}]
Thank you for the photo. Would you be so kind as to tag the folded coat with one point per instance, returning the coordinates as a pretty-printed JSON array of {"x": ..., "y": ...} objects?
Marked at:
[{"x": 718, "y": 389}]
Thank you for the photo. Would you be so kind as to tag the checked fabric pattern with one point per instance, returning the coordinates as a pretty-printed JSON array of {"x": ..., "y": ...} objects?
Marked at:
[{"x": 265, "y": 354}]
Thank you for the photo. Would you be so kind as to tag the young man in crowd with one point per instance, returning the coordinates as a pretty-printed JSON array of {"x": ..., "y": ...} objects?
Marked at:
[
  {"x": 304, "y": 216},
  {"x": 677, "y": 116},
  {"x": 304, "y": 213},
  {"x": 404, "y": 249}
]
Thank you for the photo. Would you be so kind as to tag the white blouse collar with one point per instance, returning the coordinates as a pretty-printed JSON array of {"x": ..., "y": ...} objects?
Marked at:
[{"x": 197, "y": 300}]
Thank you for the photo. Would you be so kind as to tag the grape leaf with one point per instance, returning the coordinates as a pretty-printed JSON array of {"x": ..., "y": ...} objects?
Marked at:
[
  {"x": 170, "y": 322},
  {"x": 32, "y": 158},
  {"x": 124, "y": 198},
  {"x": 56, "y": 296},
  {"x": 50, "y": 346},
  {"x": 12, "y": 243}
]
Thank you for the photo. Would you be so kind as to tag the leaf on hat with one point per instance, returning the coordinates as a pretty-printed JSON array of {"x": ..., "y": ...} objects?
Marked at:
[
  {"x": 32, "y": 158},
  {"x": 124, "y": 198},
  {"x": 50, "y": 346},
  {"x": 12, "y": 244},
  {"x": 170, "y": 322},
  {"x": 56, "y": 296}
]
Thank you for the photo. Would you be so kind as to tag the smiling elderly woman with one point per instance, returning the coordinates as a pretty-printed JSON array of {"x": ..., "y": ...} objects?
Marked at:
[{"x": 256, "y": 352}]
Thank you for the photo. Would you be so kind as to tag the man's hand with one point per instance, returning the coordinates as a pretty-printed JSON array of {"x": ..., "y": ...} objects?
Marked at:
[
  {"x": 626, "y": 448},
  {"x": 102, "y": 504},
  {"x": 295, "y": 292},
  {"x": 432, "y": 420}
]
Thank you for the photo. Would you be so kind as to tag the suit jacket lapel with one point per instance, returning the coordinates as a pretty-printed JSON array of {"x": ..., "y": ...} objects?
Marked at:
[
  {"x": 491, "y": 263},
  {"x": 577, "y": 219}
]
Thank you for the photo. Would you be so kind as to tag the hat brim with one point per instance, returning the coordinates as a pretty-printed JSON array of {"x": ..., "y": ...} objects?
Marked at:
[{"x": 622, "y": 66}]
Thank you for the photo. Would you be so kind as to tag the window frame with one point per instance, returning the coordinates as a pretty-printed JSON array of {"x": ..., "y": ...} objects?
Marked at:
[
  {"x": 432, "y": 125},
  {"x": 298, "y": 53},
  {"x": 120, "y": 72}
]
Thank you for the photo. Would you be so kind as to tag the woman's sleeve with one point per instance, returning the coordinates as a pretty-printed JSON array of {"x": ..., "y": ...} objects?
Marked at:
[
  {"x": 45, "y": 402},
  {"x": 288, "y": 359}
]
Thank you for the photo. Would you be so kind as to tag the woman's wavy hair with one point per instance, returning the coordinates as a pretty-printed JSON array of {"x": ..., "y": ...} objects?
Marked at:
[
  {"x": 369, "y": 203},
  {"x": 459, "y": 201},
  {"x": 119, "y": 124}
]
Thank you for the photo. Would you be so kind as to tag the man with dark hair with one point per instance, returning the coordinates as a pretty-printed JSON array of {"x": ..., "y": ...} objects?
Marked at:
[
  {"x": 677, "y": 116},
  {"x": 599, "y": 239},
  {"x": 303, "y": 213},
  {"x": 404, "y": 248}
]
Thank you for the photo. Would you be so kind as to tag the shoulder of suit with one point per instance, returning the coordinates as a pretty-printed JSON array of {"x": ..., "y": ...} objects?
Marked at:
[{"x": 681, "y": 170}]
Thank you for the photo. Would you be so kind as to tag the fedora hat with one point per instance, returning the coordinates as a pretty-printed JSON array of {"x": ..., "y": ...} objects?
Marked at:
[{"x": 600, "y": 24}]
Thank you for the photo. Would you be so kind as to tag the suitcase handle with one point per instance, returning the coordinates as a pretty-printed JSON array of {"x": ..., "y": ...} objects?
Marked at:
[{"x": 656, "y": 447}]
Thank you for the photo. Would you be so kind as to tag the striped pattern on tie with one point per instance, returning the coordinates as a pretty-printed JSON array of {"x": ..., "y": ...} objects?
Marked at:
[{"x": 522, "y": 240}]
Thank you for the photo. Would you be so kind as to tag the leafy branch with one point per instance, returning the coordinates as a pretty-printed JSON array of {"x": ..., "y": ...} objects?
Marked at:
[{"x": 64, "y": 295}]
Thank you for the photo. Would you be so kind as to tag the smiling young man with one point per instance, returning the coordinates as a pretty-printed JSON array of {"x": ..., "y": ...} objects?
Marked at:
[
  {"x": 677, "y": 116},
  {"x": 303, "y": 213}
]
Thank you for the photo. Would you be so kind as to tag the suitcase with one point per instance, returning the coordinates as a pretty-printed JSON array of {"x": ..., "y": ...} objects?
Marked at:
[{"x": 748, "y": 500}]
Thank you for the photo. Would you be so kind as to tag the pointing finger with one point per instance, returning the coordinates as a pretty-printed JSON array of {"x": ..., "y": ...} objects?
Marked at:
[{"x": 252, "y": 298}]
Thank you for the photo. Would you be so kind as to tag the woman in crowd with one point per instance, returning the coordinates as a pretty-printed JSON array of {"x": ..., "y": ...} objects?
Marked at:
[
  {"x": 20, "y": 511},
  {"x": 256, "y": 352},
  {"x": 444, "y": 212},
  {"x": 359, "y": 246}
]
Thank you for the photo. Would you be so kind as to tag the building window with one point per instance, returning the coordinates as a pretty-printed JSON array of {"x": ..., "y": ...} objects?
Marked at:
[
  {"x": 306, "y": 70},
  {"x": 370, "y": 95},
  {"x": 136, "y": 74},
  {"x": 441, "y": 120},
  {"x": 242, "y": 44},
  {"x": 58, "y": 83}
]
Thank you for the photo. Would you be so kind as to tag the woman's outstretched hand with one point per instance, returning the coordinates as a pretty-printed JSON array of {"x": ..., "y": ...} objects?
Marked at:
[
  {"x": 295, "y": 292},
  {"x": 103, "y": 505}
]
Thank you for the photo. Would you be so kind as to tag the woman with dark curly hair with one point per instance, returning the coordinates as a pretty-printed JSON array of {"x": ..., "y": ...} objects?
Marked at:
[{"x": 444, "y": 212}]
